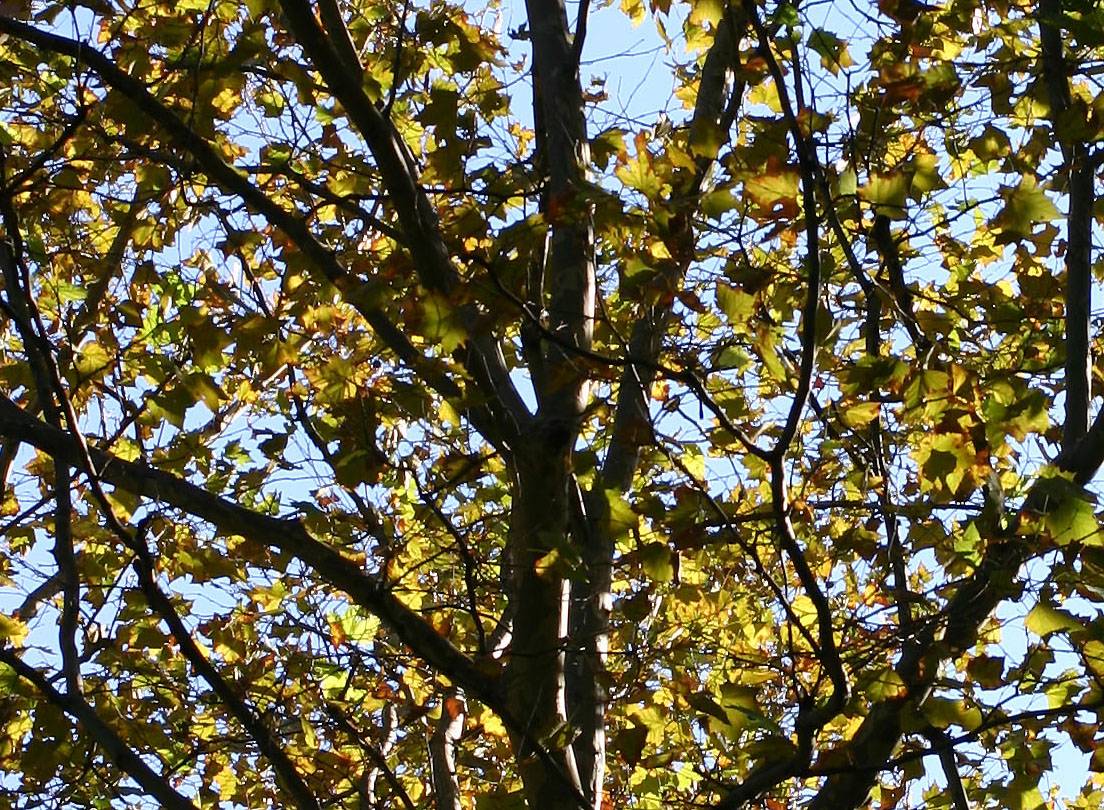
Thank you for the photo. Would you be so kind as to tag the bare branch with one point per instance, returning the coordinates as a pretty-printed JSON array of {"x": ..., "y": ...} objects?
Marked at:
[
  {"x": 378, "y": 755},
  {"x": 807, "y": 163}
]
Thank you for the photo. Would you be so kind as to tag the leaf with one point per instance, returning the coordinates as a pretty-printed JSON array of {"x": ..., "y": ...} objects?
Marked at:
[
  {"x": 887, "y": 193},
  {"x": 991, "y": 144},
  {"x": 946, "y": 460},
  {"x": 606, "y": 145},
  {"x": 629, "y": 743},
  {"x": 1073, "y": 520},
  {"x": 860, "y": 414},
  {"x": 786, "y": 14},
  {"x": 943, "y": 713},
  {"x": 707, "y": 705},
  {"x": 832, "y": 50},
  {"x": 203, "y": 388},
  {"x": 706, "y": 11},
  {"x": 309, "y": 735},
  {"x": 706, "y": 138},
  {"x": 560, "y": 562},
  {"x": 775, "y": 193},
  {"x": 987, "y": 671},
  {"x": 620, "y": 515},
  {"x": 359, "y": 627},
  {"x": 514, "y": 800},
  {"x": 441, "y": 324},
  {"x": 12, "y": 630},
  {"x": 1024, "y": 206},
  {"x": 737, "y": 305},
  {"x": 848, "y": 182},
  {"x": 638, "y": 173},
  {"x": 886, "y": 685},
  {"x": 658, "y": 562},
  {"x": 1045, "y": 619},
  {"x": 717, "y": 203},
  {"x": 92, "y": 361},
  {"x": 1096, "y": 761},
  {"x": 927, "y": 175}
]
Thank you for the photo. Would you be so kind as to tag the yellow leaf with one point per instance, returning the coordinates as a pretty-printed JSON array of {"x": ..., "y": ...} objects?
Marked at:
[
  {"x": 1045, "y": 619},
  {"x": 12, "y": 630},
  {"x": 860, "y": 415},
  {"x": 92, "y": 361}
]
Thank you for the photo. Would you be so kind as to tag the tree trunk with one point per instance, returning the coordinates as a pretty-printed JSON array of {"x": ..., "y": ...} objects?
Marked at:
[{"x": 535, "y": 688}]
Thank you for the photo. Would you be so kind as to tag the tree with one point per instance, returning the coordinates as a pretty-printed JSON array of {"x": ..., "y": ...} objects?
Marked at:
[{"x": 386, "y": 423}]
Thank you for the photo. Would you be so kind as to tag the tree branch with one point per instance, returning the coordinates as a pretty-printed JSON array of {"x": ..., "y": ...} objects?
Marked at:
[
  {"x": 20, "y": 307},
  {"x": 632, "y": 426},
  {"x": 416, "y": 215},
  {"x": 108, "y": 739},
  {"x": 810, "y": 720},
  {"x": 941, "y": 742},
  {"x": 233, "y": 181},
  {"x": 901, "y": 294},
  {"x": 569, "y": 265},
  {"x": 1080, "y": 173},
  {"x": 974, "y": 601},
  {"x": 442, "y": 750},
  {"x": 807, "y": 163},
  {"x": 339, "y": 35},
  {"x": 287, "y": 535},
  {"x": 289, "y": 777}
]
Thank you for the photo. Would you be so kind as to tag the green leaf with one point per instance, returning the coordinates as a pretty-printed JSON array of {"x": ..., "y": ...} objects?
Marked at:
[
  {"x": 621, "y": 518},
  {"x": 987, "y": 671},
  {"x": 737, "y": 305},
  {"x": 658, "y": 562},
  {"x": 786, "y": 14},
  {"x": 629, "y": 743},
  {"x": 441, "y": 324},
  {"x": 92, "y": 361},
  {"x": 203, "y": 388},
  {"x": 12, "y": 631},
  {"x": 706, "y": 138},
  {"x": 639, "y": 174},
  {"x": 501, "y": 801},
  {"x": 832, "y": 50},
  {"x": 860, "y": 414},
  {"x": 1024, "y": 207},
  {"x": 1045, "y": 619},
  {"x": 717, "y": 203},
  {"x": 1073, "y": 521},
  {"x": 848, "y": 182},
  {"x": 887, "y": 193},
  {"x": 991, "y": 144},
  {"x": 706, "y": 11},
  {"x": 943, "y": 712}
]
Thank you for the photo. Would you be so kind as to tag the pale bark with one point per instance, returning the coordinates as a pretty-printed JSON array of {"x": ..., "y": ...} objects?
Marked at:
[
  {"x": 442, "y": 750},
  {"x": 591, "y": 597},
  {"x": 534, "y": 678}
]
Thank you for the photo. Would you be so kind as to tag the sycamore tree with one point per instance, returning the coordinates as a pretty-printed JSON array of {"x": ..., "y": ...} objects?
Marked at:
[{"x": 388, "y": 419}]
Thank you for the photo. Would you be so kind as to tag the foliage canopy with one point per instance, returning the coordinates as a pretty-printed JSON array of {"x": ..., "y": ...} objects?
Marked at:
[{"x": 388, "y": 421}]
